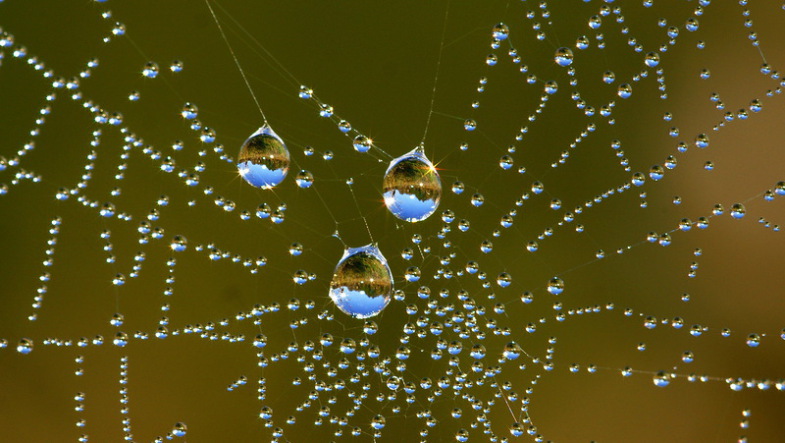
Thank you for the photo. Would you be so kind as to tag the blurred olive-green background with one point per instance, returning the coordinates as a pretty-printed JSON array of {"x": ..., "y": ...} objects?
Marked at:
[{"x": 376, "y": 64}]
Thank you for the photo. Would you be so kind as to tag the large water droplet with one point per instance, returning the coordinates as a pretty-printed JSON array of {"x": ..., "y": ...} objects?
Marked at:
[
  {"x": 362, "y": 282},
  {"x": 412, "y": 188},
  {"x": 264, "y": 159}
]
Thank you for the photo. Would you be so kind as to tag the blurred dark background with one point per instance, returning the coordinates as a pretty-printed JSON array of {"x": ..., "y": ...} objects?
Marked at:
[{"x": 376, "y": 63}]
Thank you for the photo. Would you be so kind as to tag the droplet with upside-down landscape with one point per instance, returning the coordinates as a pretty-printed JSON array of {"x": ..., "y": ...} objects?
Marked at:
[
  {"x": 264, "y": 159},
  {"x": 412, "y": 187},
  {"x": 362, "y": 282}
]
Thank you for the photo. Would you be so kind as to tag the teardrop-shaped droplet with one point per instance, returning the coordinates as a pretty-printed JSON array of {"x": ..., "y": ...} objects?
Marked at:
[
  {"x": 412, "y": 188},
  {"x": 362, "y": 282},
  {"x": 264, "y": 159}
]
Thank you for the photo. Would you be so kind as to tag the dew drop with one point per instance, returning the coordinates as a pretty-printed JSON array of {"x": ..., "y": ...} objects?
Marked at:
[
  {"x": 362, "y": 143},
  {"x": 504, "y": 280},
  {"x": 264, "y": 159},
  {"x": 501, "y": 31},
  {"x": 25, "y": 346},
  {"x": 179, "y": 243},
  {"x": 179, "y": 429},
  {"x": 305, "y": 92},
  {"x": 556, "y": 286},
  {"x": 412, "y": 188},
  {"x": 150, "y": 70},
  {"x": 378, "y": 422},
  {"x": 702, "y": 141},
  {"x": 304, "y": 179},
  {"x": 625, "y": 90},
  {"x": 738, "y": 211},
  {"x": 661, "y": 379},
  {"x": 412, "y": 274},
  {"x": 362, "y": 282},
  {"x": 656, "y": 172},
  {"x": 512, "y": 351},
  {"x": 300, "y": 277},
  {"x": 189, "y": 111},
  {"x": 563, "y": 57}
]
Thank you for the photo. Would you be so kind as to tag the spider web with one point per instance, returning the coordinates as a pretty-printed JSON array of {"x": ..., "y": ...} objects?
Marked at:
[{"x": 656, "y": 216}]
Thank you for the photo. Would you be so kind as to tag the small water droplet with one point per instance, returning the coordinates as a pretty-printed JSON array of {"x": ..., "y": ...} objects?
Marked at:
[
  {"x": 179, "y": 429},
  {"x": 501, "y": 31},
  {"x": 661, "y": 379},
  {"x": 25, "y": 346},
  {"x": 362, "y": 143},
  {"x": 304, "y": 179},
  {"x": 189, "y": 111},
  {"x": 179, "y": 243},
  {"x": 556, "y": 286},
  {"x": 563, "y": 57},
  {"x": 150, "y": 70},
  {"x": 738, "y": 211}
]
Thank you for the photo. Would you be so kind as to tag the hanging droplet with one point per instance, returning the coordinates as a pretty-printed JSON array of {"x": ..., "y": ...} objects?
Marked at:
[
  {"x": 412, "y": 188},
  {"x": 362, "y": 282},
  {"x": 264, "y": 159}
]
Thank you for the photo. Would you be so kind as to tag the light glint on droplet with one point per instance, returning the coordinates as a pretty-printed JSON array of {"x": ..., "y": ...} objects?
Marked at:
[
  {"x": 412, "y": 187},
  {"x": 264, "y": 159}
]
